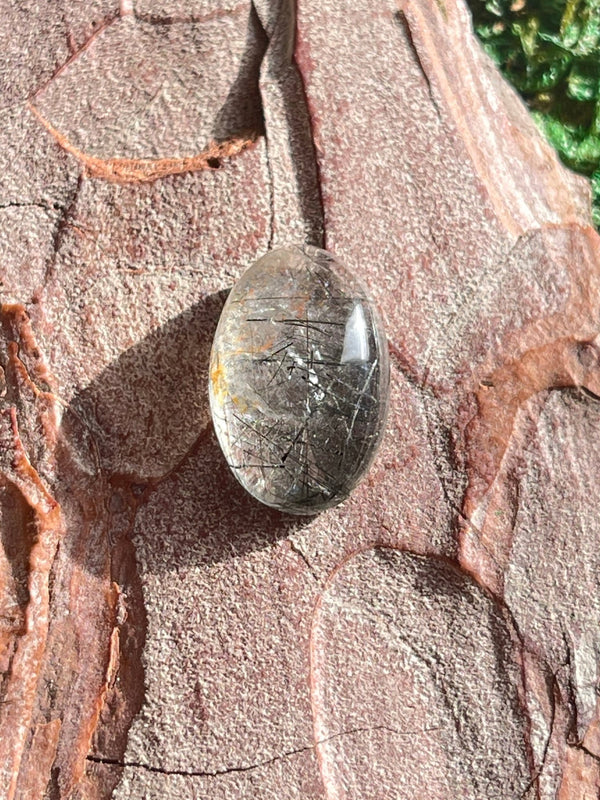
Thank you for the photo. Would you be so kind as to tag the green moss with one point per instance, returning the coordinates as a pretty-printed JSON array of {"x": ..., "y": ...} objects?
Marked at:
[{"x": 550, "y": 51}]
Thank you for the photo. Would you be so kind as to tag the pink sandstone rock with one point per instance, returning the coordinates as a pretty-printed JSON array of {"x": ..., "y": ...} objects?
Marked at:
[{"x": 162, "y": 635}]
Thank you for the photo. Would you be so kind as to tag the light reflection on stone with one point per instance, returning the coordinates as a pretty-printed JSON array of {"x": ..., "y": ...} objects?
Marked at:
[{"x": 299, "y": 380}]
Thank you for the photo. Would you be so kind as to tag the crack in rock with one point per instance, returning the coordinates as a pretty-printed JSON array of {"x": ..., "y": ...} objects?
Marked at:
[{"x": 113, "y": 762}]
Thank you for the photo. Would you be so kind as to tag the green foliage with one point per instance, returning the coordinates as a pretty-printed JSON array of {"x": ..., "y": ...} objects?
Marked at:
[{"x": 550, "y": 51}]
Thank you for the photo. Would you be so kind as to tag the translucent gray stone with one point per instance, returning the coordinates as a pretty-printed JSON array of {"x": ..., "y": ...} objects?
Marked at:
[{"x": 299, "y": 380}]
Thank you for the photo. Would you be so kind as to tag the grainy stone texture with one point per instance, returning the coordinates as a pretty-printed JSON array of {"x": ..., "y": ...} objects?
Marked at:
[
  {"x": 457, "y": 723},
  {"x": 157, "y": 629},
  {"x": 152, "y": 87}
]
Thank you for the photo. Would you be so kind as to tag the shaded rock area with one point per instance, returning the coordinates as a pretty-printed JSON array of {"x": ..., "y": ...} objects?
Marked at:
[{"x": 162, "y": 635}]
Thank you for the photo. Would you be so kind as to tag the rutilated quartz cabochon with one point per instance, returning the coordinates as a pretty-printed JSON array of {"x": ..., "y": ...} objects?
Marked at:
[{"x": 299, "y": 380}]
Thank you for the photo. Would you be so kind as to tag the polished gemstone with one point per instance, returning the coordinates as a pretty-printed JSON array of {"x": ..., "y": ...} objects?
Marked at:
[{"x": 299, "y": 380}]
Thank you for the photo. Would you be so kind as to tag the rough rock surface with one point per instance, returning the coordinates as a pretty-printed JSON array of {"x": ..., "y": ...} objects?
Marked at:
[{"x": 161, "y": 634}]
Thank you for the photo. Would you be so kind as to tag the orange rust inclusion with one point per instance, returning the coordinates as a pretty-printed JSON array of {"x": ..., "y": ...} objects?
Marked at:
[{"x": 217, "y": 379}]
